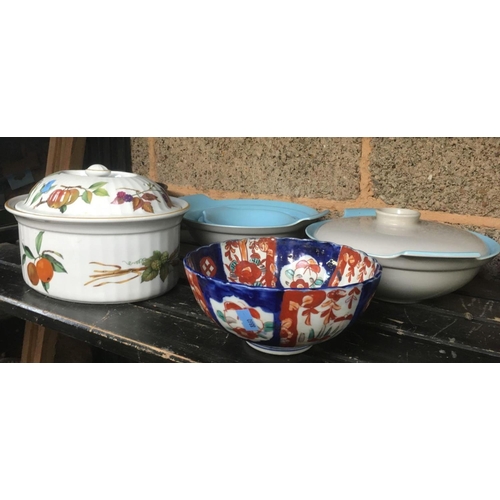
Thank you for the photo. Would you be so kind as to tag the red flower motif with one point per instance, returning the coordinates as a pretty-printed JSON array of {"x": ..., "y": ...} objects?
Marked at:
[
  {"x": 247, "y": 272},
  {"x": 308, "y": 265},
  {"x": 300, "y": 283}
]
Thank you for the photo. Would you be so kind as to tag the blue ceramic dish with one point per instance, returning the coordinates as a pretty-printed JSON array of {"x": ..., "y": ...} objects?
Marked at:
[
  {"x": 211, "y": 221},
  {"x": 282, "y": 295}
]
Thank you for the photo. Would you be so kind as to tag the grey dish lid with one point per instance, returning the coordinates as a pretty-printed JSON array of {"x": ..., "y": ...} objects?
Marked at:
[{"x": 394, "y": 232}]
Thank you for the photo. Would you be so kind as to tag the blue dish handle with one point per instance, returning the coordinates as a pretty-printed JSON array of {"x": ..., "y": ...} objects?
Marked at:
[
  {"x": 359, "y": 212},
  {"x": 199, "y": 201}
]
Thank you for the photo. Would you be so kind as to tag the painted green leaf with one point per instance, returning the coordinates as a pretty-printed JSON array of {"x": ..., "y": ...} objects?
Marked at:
[
  {"x": 318, "y": 282},
  {"x": 311, "y": 334},
  {"x": 38, "y": 242},
  {"x": 51, "y": 251},
  {"x": 56, "y": 265},
  {"x": 156, "y": 257},
  {"x": 97, "y": 185},
  {"x": 100, "y": 192},
  {"x": 36, "y": 197},
  {"x": 290, "y": 273},
  {"x": 27, "y": 251},
  {"x": 164, "y": 270},
  {"x": 220, "y": 315},
  {"x": 46, "y": 286},
  {"x": 149, "y": 274},
  {"x": 23, "y": 260},
  {"x": 87, "y": 196},
  {"x": 63, "y": 208},
  {"x": 268, "y": 326}
]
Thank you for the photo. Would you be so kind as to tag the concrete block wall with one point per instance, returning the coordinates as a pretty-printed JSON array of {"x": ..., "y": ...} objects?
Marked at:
[{"x": 449, "y": 180}]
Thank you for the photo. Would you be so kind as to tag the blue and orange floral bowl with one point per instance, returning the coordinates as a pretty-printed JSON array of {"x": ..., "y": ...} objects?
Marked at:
[{"x": 282, "y": 295}]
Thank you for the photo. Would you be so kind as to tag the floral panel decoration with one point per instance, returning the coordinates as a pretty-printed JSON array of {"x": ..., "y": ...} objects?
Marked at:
[
  {"x": 306, "y": 272},
  {"x": 352, "y": 267},
  {"x": 250, "y": 323},
  {"x": 316, "y": 316},
  {"x": 251, "y": 262}
]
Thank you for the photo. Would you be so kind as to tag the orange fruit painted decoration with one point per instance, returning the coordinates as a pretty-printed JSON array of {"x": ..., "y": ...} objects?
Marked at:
[
  {"x": 33, "y": 274},
  {"x": 44, "y": 269},
  {"x": 42, "y": 264}
]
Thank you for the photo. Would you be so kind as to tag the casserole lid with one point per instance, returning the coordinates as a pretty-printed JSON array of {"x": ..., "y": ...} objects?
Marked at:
[
  {"x": 393, "y": 232},
  {"x": 98, "y": 192}
]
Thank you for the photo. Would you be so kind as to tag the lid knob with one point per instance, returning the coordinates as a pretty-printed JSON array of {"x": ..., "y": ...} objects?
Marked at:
[
  {"x": 98, "y": 170},
  {"x": 400, "y": 217}
]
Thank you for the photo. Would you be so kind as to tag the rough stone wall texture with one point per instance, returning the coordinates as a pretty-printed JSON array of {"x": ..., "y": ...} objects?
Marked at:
[
  {"x": 140, "y": 155},
  {"x": 451, "y": 180},
  {"x": 297, "y": 167},
  {"x": 457, "y": 175}
]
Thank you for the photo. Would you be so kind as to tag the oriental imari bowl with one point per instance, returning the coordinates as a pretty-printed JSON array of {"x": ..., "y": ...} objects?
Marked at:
[
  {"x": 99, "y": 236},
  {"x": 282, "y": 295}
]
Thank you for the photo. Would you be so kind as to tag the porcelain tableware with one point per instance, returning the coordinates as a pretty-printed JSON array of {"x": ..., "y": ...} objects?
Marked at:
[
  {"x": 211, "y": 221},
  {"x": 99, "y": 236},
  {"x": 421, "y": 259},
  {"x": 282, "y": 295}
]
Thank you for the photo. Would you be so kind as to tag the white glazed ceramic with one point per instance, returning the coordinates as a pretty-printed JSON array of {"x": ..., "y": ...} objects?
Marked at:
[
  {"x": 99, "y": 236},
  {"x": 420, "y": 259},
  {"x": 213, "y": 221}
]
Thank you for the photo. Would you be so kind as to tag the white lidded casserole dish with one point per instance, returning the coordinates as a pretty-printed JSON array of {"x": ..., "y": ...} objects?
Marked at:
[
  {"x": 99, "y": 236},
  {"x": 420, "y": 259}
]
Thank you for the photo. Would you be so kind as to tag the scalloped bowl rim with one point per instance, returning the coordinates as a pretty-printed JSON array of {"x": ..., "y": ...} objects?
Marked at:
[{"x": 244, "y": 286}]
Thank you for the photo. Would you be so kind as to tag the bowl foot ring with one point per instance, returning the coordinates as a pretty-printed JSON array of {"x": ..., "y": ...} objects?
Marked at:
[{"x": 279, "y": 351}]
